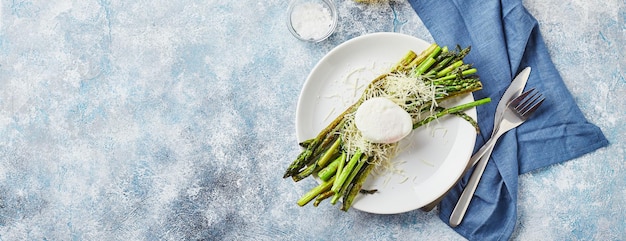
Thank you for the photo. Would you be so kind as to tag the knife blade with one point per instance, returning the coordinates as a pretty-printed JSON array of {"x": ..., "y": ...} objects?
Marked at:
[{"x": 515, "y": 89}]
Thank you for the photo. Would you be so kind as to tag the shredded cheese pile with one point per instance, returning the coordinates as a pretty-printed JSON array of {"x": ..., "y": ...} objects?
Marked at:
[{"x": 408, "y": 92}]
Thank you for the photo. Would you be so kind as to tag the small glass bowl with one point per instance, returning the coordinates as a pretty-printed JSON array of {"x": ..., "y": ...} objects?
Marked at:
[{"x": 327, "y": 4}]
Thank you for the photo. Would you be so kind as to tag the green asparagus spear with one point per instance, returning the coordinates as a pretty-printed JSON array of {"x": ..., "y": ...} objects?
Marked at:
[
  {"x": 330, "y": 170},
  {"x": 356, "y": 187},
  {"x": 343, "y": 176},
  {"x": 451, "y": 110},
  {"x": 322, "y": 187}
]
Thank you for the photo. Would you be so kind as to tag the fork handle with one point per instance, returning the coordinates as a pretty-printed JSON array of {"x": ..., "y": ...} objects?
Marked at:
[{"x": 466, "y": 197}]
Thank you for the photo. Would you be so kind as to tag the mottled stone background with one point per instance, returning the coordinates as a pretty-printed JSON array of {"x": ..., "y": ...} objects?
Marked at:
[{"x": 148, "y": 120}]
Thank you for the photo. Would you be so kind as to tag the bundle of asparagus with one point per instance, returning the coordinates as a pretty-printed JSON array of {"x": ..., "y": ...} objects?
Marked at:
[{"x": 342, "y": 159}]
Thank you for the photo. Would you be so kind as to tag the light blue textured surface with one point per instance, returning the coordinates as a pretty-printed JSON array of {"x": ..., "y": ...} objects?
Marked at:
[{"x": 152, "y": 120}]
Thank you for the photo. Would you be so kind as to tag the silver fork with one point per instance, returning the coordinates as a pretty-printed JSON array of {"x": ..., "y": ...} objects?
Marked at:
[{"x": 518, "y": 110}]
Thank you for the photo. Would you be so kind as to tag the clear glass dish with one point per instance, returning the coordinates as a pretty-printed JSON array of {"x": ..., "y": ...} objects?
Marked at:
[{"x": 312, "y": 20}]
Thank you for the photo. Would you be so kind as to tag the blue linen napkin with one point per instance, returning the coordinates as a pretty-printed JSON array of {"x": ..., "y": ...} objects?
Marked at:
[{"x": 505, "y": 38}]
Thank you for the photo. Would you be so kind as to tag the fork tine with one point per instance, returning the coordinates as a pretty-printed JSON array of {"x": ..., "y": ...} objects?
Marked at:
[
  {"x": 534, "y": 107},
  {"x": 517, "y": 100},
  {"x": 528, "y": 101}
]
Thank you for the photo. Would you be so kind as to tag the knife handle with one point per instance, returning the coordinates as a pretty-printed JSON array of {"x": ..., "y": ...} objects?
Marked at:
[{"x": 466, "y": 197}]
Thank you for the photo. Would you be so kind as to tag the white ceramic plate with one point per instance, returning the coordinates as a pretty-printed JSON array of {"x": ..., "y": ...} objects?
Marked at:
[{"x": 431, "y": 158}]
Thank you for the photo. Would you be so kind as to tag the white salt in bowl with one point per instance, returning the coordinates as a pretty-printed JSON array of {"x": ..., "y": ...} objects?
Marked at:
[{"x": 312, "y": 20}]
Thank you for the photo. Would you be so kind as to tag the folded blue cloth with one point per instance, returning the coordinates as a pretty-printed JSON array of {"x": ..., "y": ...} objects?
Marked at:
[{"x": 505, "y": 38}]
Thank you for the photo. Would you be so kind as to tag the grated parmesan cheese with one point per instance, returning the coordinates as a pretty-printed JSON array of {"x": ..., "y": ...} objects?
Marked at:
[{"x": 410, "y": 93}]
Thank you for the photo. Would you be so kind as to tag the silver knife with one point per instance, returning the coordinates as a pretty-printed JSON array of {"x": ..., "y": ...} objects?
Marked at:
[{"x": 514, "y": 90}]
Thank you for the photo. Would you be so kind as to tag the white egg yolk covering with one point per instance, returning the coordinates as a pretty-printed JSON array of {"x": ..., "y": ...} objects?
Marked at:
[{"x": 380, "y": 120}]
